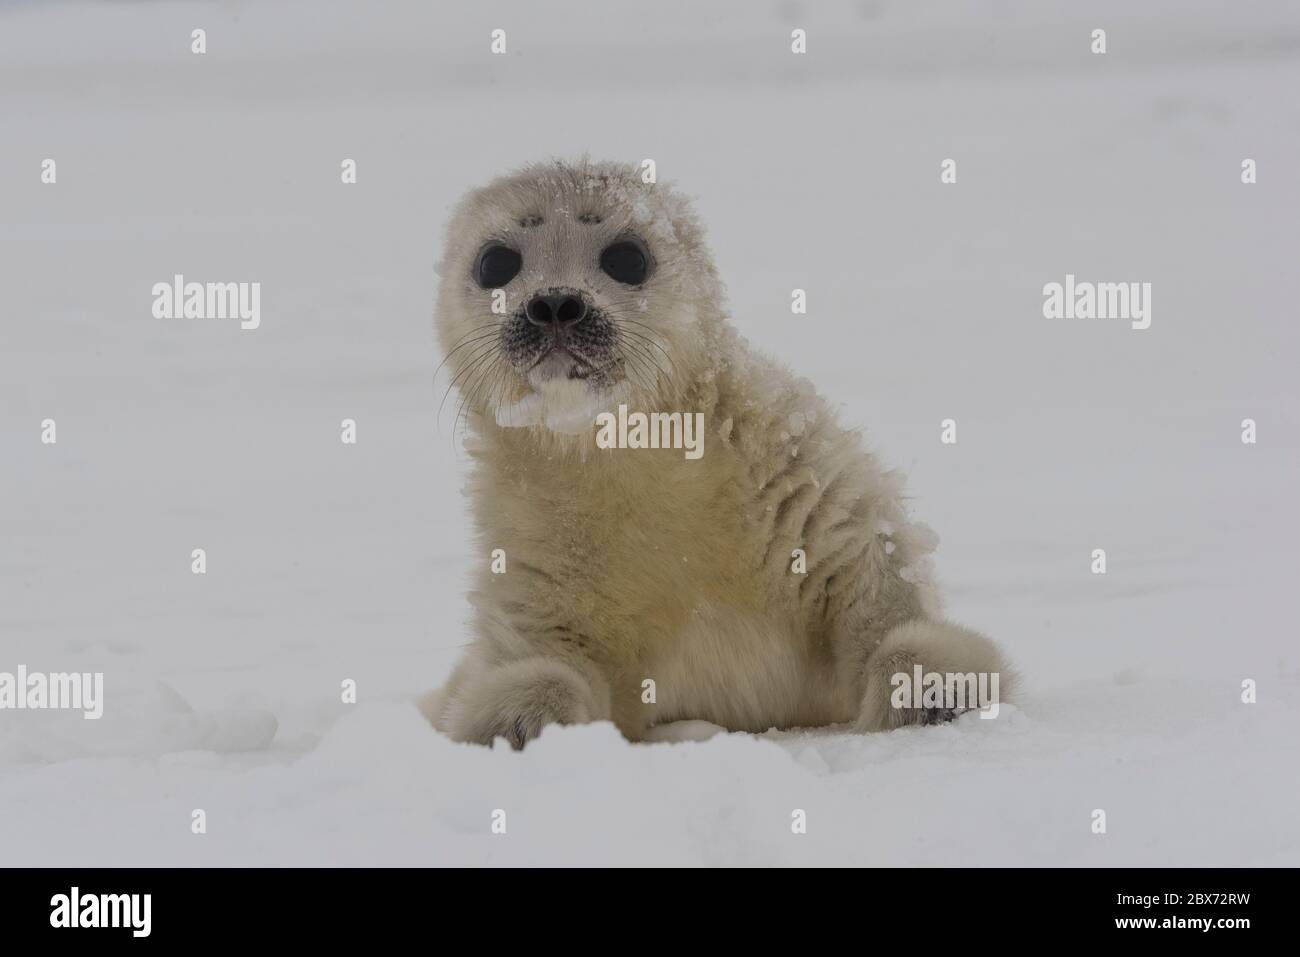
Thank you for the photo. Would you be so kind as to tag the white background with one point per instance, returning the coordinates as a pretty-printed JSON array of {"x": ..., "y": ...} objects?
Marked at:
[{"x": 821, "y": 172}]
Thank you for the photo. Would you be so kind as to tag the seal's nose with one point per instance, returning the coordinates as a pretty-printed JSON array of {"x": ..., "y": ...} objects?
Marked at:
[{"x": 556, "y": 310}]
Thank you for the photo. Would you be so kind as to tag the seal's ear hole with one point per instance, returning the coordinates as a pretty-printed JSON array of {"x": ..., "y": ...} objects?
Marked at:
[
  {"x": 497, "y": 265},
  {"x": 591, "y": 219},
  {"x": 626, "y": 261}
]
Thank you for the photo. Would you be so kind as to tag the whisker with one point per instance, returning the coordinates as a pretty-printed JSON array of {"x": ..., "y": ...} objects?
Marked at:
[
  {"x": 648, "y": 338},
  {"x": 644, "y": 361},
  {"x": 499, "y": 387},
  {"x": 632, "y": 337},
  {"x": 467, "y": 396},
  {"x": 634, "y": 374},
  {"x": 463, "y": 342},
  {"x": 638, "y": 360},
  {"x": 473, "y": 363}
]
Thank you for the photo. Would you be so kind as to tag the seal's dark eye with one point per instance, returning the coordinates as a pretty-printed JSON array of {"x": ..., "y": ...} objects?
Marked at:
[
  {"x": 497, "y": 265},
  {"x": 625, "y": 262}
]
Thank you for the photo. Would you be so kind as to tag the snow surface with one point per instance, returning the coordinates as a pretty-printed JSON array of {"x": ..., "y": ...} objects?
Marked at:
[{"x": 329, "y": 562}]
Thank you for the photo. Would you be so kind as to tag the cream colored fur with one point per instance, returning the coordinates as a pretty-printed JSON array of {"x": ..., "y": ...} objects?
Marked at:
[{"x": 627, "y": 565}]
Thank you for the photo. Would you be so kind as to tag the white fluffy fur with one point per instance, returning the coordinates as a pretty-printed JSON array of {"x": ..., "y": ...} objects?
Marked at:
[{"x": 627, "y": 565}]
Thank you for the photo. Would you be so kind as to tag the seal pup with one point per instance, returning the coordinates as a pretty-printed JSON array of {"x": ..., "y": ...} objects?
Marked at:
[{"x": 635, "y": 584}]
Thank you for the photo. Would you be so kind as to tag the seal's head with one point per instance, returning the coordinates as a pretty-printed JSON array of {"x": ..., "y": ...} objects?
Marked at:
[{"x": 572, "y": 283}]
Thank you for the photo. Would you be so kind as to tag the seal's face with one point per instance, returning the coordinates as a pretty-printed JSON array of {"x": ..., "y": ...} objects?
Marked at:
[
  {"x": 570, "y": 280},
  {"x": 576, "y": 287}
]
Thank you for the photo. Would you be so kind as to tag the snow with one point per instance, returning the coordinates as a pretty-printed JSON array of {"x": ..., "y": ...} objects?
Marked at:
[{"x": 330, "y": 562}]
